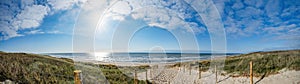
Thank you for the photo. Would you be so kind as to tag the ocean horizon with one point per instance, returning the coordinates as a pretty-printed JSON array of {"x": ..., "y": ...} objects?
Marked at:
[{"x": 140, "y": 57}]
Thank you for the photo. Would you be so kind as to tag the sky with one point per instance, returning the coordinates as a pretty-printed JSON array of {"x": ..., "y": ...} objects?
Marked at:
[{"x": 42, "y": 26}]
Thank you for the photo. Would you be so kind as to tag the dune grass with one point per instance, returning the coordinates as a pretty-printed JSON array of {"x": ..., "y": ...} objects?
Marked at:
[
  {"x": 32, "y": 68},
  {"x": 264, "y": 63},
  {"x": 41, "y": 69},
  {"x": 109, "y": 73}
]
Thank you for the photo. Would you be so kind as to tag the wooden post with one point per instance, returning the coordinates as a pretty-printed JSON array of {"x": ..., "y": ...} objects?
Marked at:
[
  {"x": 216, "y": 74},
  {"x": 251, "y": 73},
  {"x": 150, "y": 73},
  {"x": 135, "y": 77},
  {"x": 190, "y": 68},
  {"x": 146, "y": 75},
  {"x": 200, "y": 72},
  {"x": 77, "y": 78},
  {"x": 183, "y": 68}
]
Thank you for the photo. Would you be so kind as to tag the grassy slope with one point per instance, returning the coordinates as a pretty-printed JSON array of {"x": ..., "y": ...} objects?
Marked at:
[
  {"x": 30, "y": 68},
  {"x": 112, "y": 73},
  {"x": 34, "y": 69},
  {"x": 264, "y": 63}
]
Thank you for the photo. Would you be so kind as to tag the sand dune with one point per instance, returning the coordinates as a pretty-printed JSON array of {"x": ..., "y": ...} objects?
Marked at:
[{"x": 185, "y": 76}]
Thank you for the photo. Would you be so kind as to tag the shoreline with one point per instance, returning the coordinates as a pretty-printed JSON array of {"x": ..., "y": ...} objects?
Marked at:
[
  {"x": 281, "y": 67},
  {"x": 289, "y": 72},
  {"x": 153, "y": 63}
]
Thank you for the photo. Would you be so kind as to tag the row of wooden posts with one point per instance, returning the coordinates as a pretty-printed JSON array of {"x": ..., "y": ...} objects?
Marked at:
[
  {"x": 250, "y": 73},
  {"x": 77, "y": 77}
]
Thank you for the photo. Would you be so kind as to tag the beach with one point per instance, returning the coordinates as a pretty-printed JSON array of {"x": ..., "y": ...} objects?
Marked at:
[
  {"x": 181, "y": 76},
  {"x": 276, "y": 67},
  {"x": 279, "y": 67}
]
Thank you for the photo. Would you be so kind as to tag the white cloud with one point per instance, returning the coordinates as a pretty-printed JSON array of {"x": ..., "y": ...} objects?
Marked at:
[
  {"x": 255, "y": 3},
  {"x": 7, "y": 31},
  {"x": 289, "y": 33},
  {"x": 249, "y": 12},
  {"x": 238, "y": 5},
  {"x": 27, "y": 14},
  {"x": 61, "y": 4},
  {"x": 155, "y": 16},
  {"x": 64, "y": 4},
  {"x": 25, "y": 3},
  {"x": 35, "y": 32},
  {"x": 38, "y": 31},
  {"x": 156, "y": 13},
  {"x": 281, "y": 30},
  {"x": 273, "y": 8},
  {"x": 250, "y": 18},
  {"x": 121, "y": 7},
  {"x": 165, "y": 18},
  {"x": 54, "y": 32},
  {"x": 232, "y": 28},
  {"x": 30, "y": 17},
  {"x": 12, "y": 21},
  {"x": 259, "y": 3},
  {"x": 89, "y": 17},
  {"x": 119, "y": 10}
]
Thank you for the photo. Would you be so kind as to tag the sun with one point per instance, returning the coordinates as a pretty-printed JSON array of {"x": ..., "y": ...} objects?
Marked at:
[{"x": 100, "y": 56}]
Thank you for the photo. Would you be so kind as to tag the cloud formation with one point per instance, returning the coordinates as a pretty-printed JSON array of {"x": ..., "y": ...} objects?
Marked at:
[
  {"x": 30, "y": 17},
  {"x": 241, "y": 18},
  {"x": 250, "y": 17},
  {"x": 175, "y": 14},
  {"x": 17, "y": 16}
]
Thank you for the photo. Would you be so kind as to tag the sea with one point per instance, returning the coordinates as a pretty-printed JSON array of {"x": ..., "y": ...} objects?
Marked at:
[{"x": 137, "y": 57}]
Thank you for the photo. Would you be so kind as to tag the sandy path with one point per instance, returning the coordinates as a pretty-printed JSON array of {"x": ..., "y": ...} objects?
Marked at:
[{"x": 186, "y": 76}]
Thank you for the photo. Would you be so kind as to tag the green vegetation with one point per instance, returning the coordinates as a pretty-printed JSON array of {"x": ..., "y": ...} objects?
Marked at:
[
  {"x": 112, "y": 73},
  {"x": 30, "y": 68},
  {"x": 41, "y": 69},
  {"x": 264, "y": 63},
  {"x": 205, "y": 65},
  {"x": 109, "y": 73}
]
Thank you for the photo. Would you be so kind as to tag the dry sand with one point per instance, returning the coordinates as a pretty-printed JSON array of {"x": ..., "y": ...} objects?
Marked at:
[{"x": 162, "y": 75}]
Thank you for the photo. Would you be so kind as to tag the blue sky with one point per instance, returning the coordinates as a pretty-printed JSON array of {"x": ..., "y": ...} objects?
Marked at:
[{"x": 47, "y": 25}]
